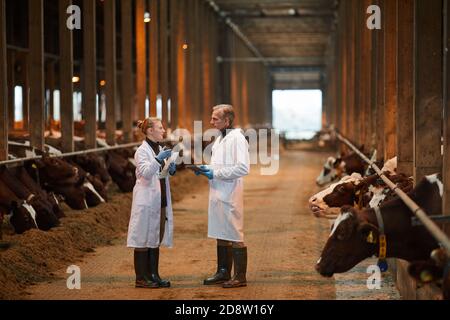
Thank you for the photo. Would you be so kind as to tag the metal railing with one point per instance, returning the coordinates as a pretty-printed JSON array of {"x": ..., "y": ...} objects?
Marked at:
[
  {"x": 435, "y": 231},
  {"x": 74, "y": 153}
]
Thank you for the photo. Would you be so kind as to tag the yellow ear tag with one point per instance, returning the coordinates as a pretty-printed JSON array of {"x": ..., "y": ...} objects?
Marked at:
[
  {"x": 34, "y": 166},
  {"x": 370, "y": 238}
]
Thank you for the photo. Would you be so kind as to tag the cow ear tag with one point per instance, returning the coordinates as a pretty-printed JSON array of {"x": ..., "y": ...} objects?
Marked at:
[
  {"x": 370, "y": 238},
  {"x": 382, "y": 264},
  {"x": 34, "y": 166}
]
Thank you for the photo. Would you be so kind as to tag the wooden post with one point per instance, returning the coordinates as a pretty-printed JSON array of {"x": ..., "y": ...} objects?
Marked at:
[
  {"x": 446, "y": 160},
  {"x": 358, "y": 17},
  {"x": 154, "y": 57},
  {"x": 36, "y": 72},
  {"x": 366, "y": 73},
  {"x": 50, "y": 70},
  {"x": 405, "y": 117},
  {"x": 405, "y": 87},
  {"x": 390, "y": 110},
  {"x": 350, "y": 44},
  {"x": 175, "y": 47},
  {"x": 65, "y": 78},
  {"x": 127, "y": 70},
  {"x": 380, "y": 79},
  {"x": 164, "y": 58},
  {"x": 141, "y": 60},
  {"x": 11, "y": 61},
  {"x": 428, "y": 88},
  {"x": 3, "y": 86},
  {"x": 89, "y": 80},
  {"x": 110, "y": 70}
]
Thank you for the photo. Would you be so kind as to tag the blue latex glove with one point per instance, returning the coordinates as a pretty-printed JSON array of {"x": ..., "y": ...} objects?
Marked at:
[
  {"x": 164, "y": 154},
  {"x": 208, "y": 173},
  {"x": 204, "y": 167},
  {"x": 172, "y": 168}
]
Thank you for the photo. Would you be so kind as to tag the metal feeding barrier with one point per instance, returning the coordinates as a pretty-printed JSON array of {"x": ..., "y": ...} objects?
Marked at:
[
  {"x": 74, "y": 153},
  {"x": 420, "y": 214}
]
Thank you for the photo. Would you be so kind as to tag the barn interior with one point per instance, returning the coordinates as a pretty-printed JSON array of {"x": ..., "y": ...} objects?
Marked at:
[{"x": 76, "y": 71}]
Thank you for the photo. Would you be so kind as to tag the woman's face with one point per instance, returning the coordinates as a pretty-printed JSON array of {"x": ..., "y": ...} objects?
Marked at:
[{"x": 157, "y": 132}]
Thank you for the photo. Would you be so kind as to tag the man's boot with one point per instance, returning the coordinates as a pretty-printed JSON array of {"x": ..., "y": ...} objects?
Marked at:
[
  {"x": 153, "y": 258},
  {"x": 141, "y": 269},
  {"x": 224, "y": 264},
  {"x": 240, "y": 269}
]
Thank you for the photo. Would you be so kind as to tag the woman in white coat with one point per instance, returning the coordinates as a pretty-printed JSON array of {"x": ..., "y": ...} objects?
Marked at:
[{"x": 151, "y": 220}]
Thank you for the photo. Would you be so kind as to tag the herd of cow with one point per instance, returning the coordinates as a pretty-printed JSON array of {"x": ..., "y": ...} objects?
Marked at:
[
  {"x": 369, "y": 216},
  {"x": 30, "y": 193}
]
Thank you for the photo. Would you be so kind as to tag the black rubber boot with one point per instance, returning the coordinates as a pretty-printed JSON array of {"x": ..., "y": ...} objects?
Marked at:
[
  {"x": 224, "y": 264},
  {"x": 141, "y": 270},
  {"x": 153, "y": 258},
  {"x": 240, "y": 269}
]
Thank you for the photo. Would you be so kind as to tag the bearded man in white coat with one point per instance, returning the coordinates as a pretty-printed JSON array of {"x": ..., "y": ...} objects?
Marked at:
[{"x": 230, "y": 162}]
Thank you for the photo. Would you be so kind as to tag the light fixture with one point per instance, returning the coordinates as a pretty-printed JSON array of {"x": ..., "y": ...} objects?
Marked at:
[
  {"x": 147, "y": 17},
  {"x": 185, "y": 45},
  {"x": 102, "y": 83},
  {"x": 75, "y": 79}
]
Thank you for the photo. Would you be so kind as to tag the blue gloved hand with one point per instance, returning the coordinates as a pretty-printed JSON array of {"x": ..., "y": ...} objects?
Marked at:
[
  {"x": 204, "y": 167},
  {"x": 164, "y": 154},
  {"x": 209, "y": 173},
  {"x": 172, "y": 168}
]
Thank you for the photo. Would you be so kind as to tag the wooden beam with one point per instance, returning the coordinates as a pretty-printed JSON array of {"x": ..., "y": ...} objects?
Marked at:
[
  {"x": 175, "y": 47},
  {"x": 428, "y": 88},
  {"x": 141, "y": 60},
  {"x": 89, "y": 79},
  {"x": 390, "y": 49},
  {"x": 405, "y": 86},
  {"x": 110, "y": 70},
  {"x": 164, "y": 58},
  {"x": 127, "y": 70},
  {"x": 36, "y": 72},
  {"x": 357, "y": 117},
  {"x": 50, "y": 76},
  {"x": 154, "y": 56},
  {"x": 11, "y": 61},
  {"x": 3, "y": 86},
  {"x": 350, "y": 44},
  {"x": 379, "y": 70},
  {"x": 446, "y": 133},
  {"x": 65, "y": 78}
]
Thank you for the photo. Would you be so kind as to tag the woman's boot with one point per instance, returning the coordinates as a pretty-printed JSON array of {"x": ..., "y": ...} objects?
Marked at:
[
  {"x": 153, "y": 258},
  {"x": 141, "y": 269}
]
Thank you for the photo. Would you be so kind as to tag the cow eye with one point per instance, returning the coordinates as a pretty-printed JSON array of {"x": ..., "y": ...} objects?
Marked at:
[{"x": 340, "y": 236}]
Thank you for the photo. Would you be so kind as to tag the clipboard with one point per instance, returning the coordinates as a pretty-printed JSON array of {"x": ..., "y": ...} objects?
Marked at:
[{"x": 165, "y": 171}]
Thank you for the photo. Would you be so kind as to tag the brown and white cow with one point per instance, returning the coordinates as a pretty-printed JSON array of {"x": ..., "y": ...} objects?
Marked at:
[
  {"x": 23, "y": 216},
  {"x": 352, "y": 234},
  {"x": 335, "y": 168},
  {"x": 58, "y": 176},
  {"x": 45, "y": 218},
  {"x": 355, "y": 190}
]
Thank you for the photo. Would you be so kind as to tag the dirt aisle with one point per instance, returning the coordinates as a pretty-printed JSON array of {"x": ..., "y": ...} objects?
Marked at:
[{"x": 284, "y": 242}]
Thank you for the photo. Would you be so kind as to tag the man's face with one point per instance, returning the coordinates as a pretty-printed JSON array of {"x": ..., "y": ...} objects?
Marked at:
[{"x": 218, "y": 120}]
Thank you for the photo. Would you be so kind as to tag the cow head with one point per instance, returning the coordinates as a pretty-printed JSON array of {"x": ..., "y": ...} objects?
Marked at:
[
  {"x": 350, "y": 241},
  {"x": 332, "y": 170},
  {"x": 336, "y": 195}
]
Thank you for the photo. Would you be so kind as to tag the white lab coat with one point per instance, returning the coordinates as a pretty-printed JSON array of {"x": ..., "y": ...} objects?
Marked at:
[
  {"x": 143, "y": 229},
  {"x": 230, "y": 161}
]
